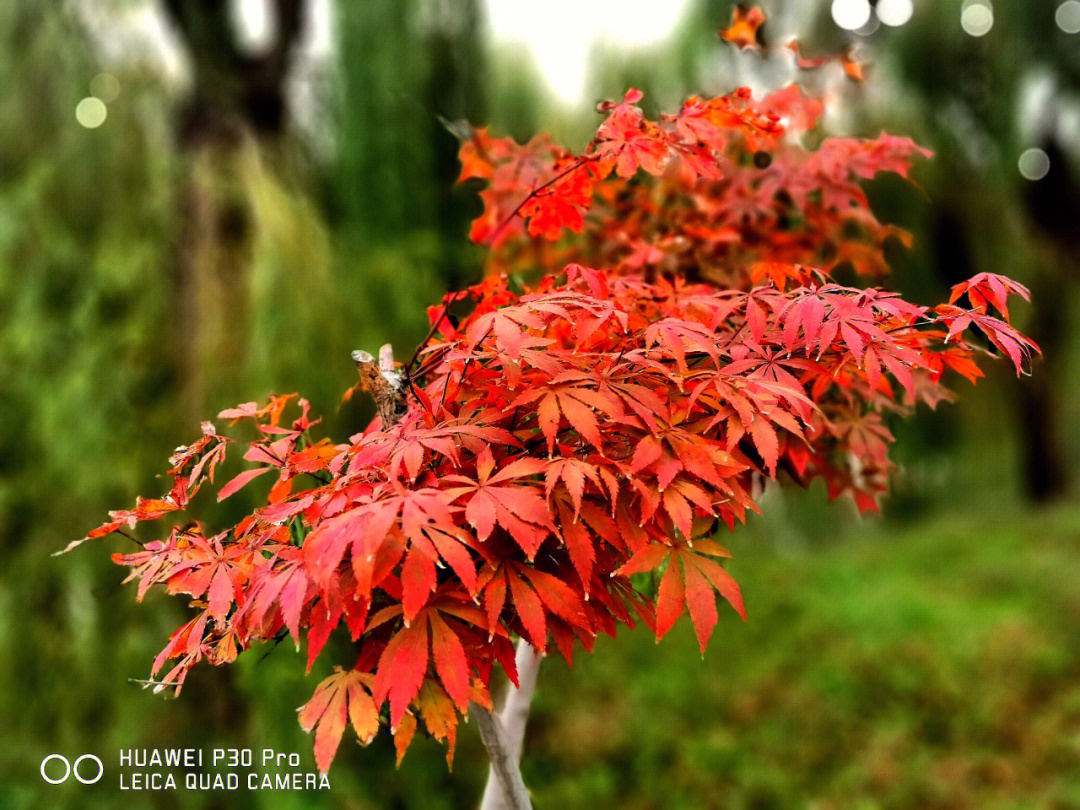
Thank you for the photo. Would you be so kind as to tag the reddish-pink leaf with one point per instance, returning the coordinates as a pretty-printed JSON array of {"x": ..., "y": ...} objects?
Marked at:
[
  {"x": 240, "y": 481},
  {"x": 701, "y": 600},
  {"x": 402, "y": 667},
  {"x": 450, "y": 661},
  {"x": 417, "y": 582},
  {"x": 579, "y": 543},
  {"x": 530, "y": 610},
  {"x": 670, "y": 599}
]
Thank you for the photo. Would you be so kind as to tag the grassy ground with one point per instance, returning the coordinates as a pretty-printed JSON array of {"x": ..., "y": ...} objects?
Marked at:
[
  {"x": 926, "y": 659},
  {"x": 930, "y": 665}
]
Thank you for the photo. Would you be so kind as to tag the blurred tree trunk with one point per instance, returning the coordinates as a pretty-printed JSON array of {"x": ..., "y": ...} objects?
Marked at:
[
  {"x": 1053, "y": 204},
  {"x": 1052, "y": 267},
  {"x": 238, "y": 102},
  {"x": 1040, "y": 410}
]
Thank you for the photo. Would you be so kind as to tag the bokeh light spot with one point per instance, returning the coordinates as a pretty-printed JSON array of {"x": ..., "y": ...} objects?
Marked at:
[
  {"x": 105, "y": 86},
  {"x": 1067, "y": 16},
  {"x": 894, "y": 12},
  {"x": 1034, "y": 164},
  {"x": 977, "y": 17},
  {"x": 91, "y": 112},
  {"x": 851, "y": 14}
]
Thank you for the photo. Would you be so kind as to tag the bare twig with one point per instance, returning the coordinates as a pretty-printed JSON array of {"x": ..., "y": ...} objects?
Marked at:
[{"x": 536, "y": 192}]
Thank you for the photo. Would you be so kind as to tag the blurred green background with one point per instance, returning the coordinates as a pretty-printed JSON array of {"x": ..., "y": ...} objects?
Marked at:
[{"x": 259, "y": 201}]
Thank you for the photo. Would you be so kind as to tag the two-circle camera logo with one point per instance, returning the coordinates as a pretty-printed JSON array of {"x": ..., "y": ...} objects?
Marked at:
[{"x": 83, "y": 769}]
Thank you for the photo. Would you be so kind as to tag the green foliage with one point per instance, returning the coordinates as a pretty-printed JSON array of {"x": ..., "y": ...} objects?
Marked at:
[
  {"x": 919, "y": 667},
  {"x": 88, "y": 239}
]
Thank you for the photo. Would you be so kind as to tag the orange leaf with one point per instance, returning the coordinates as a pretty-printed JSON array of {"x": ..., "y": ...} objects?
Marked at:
[{"x": 743, "y": 31}]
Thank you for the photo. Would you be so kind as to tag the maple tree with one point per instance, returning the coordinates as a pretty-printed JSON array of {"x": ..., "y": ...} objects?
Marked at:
[{"x": 659, "y": 331}]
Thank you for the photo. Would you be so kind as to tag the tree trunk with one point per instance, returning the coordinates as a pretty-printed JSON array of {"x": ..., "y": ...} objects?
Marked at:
[
  {"x": 1044, "y": 458},
  {"x": 238, "y": 102},
  {"x": 503, "y": 735},
  {"x": 1051, "y": 202},
  {"x": 213, "y": 262}
]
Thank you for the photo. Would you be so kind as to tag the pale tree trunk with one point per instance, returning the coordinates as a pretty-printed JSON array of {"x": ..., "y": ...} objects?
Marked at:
[{"x": 503, "y": 735}]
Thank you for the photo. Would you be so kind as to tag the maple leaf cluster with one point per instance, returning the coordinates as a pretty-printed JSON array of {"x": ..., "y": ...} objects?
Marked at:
[
  {"x": 727, "y": 185},
  {"x": 569, "y": 449},
  {"x": 743, "y": 32}
]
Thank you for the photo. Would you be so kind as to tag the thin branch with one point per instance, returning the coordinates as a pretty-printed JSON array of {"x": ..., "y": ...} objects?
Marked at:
[
  {"x": 450, "y": 300},
  {"x": 532, "y": 195},
  {"x": 133, "y": 539}
]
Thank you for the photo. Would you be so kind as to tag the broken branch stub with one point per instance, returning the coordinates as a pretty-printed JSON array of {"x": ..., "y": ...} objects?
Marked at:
[{"x": 384, "y": 382}]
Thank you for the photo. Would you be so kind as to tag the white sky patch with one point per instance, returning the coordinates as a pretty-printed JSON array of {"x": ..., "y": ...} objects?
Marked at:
[
  {"x": 255, "y": 24},
  {"x": 560, "y": 34},
  {"x": 136, "y": 34},
  {"x": 319, "y": 28}
]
